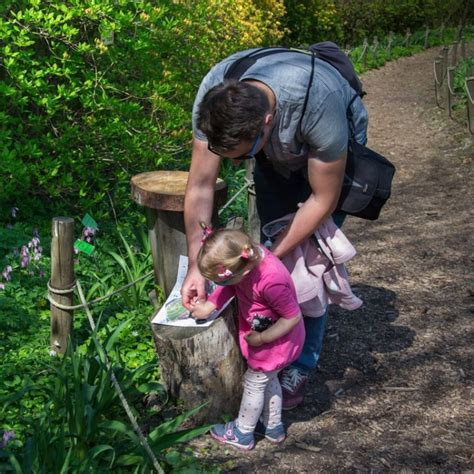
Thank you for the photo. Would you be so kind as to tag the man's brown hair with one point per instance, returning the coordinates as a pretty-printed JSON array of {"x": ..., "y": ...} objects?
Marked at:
[{"x": 230, "y": 113}]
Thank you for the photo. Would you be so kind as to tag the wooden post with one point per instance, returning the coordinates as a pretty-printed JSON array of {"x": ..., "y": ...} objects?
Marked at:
[
  {"x": 469, "y": 84},
  {"x": 253, "y": 219},
  {"x": 375, "y": 46},
  {"x": 201, "y": 365},
  {"x": 62, "y": 279},
  {"x": 407, "y": 38},
  {"x": 162, "y": 194},
  {"x": 363, "y": 58},
  {"x": 454, "y": 54},
  {"x": 197, "y": 364},
  {"x": 427, "y": 35},
  {"x": 390, "y": 42}
]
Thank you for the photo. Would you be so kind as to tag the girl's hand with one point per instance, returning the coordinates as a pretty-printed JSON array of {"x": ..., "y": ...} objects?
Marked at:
[
  {"x": 254, "y": 339},
  {"x": 201, "y": 310}
]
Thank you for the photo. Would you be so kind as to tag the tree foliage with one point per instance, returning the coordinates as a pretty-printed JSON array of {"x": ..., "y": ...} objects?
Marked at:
[{"x": 95, "y": 91}]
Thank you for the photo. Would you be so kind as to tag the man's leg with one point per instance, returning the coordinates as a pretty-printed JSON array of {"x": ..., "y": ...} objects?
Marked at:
[{"x": 295, "y": 377}]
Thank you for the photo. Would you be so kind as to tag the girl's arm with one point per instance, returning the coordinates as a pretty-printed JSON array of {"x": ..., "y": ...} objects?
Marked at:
[
  {"x": 201, "y": 310},
  {"x": 217, "y": 299},
  {"x": 282, "y": 327}
]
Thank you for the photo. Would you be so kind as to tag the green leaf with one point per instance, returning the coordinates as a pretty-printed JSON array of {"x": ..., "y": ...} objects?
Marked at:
[
  {"x": 100, "y": 449},
  {"x": 120, "y": 427},
  {"x": 113, "y": 338},
  {"x": 172, "y": 425}
]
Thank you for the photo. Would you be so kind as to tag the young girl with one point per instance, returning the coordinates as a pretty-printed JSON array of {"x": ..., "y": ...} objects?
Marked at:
[{"x": 271, "y": 329}]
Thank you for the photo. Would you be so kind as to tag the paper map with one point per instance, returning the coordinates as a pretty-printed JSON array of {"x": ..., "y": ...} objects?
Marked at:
[{"x": 173, "y": 313}]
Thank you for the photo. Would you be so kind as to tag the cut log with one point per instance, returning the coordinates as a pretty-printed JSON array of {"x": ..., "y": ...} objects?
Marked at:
[
  {"x": 162, "y": 194},
  {"x": 201, "y": 365}
]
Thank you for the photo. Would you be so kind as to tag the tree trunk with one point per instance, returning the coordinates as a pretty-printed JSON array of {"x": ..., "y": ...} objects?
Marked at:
[{"x": 201, "y": 365}]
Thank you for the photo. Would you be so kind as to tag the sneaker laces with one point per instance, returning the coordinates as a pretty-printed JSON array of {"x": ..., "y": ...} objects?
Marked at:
[{"x": 291, "y": 378}]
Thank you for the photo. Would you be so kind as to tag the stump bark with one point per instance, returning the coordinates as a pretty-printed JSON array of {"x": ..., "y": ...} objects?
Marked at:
[{"x": 203, "y": 365}]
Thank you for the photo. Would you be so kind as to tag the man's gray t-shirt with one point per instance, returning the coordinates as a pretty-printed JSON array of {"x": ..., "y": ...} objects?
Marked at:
[{"x": 324, "y": 128}]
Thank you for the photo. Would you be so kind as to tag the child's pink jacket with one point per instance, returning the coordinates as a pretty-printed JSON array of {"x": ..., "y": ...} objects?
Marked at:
[{"x": 318, "y": 271}]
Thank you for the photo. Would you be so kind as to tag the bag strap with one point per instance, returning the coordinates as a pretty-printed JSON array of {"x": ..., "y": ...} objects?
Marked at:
[
  {"x": 240, "y": 66},
  {"x": 350, "y": 118},
  {"x": 310, "y": 83}
]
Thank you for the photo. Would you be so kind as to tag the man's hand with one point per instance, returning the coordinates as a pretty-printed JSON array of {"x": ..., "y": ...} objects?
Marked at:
[
  {"x": 254, "y": 339},
  {"x": 202, "y": 310},
  {"x": 325, "y": 180},
  {"x": 193, "y": 289}
]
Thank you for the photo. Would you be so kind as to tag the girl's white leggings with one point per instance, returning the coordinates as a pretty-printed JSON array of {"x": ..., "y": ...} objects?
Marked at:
[{"x": 261, "y": 397}]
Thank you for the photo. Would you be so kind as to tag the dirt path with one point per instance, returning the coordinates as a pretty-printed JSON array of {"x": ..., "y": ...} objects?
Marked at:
[{"x": 394, "y": 388}]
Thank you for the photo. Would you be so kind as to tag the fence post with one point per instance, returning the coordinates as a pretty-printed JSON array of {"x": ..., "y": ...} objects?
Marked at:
[
  {"x": 463, "y": 47},
  {"x": 363, "y": 56},
  {"x": 389, "y": 45},
  {"x": 62, "y": 280},
  {"x": 375, "y": 45},
  {"x": 454, "y": 56},
  {"x": 445, "y": 57},
  {"x": 450, "y": 81},
  {"x": 407, "y": 38},
  {"x": 438, "y": 80},
  {"x": 469, "y": 84},
  {"x": 441, "y": 32},
  {"x": 252, "y": 216},
  {"x": 426, "y": 42}
]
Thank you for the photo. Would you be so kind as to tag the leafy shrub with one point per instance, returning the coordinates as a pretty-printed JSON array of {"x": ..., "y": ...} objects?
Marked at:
[
  {"x": 348, "y": 22},
  {"x": 78, "y": 429},
  {"x": 94, "y": 92}
]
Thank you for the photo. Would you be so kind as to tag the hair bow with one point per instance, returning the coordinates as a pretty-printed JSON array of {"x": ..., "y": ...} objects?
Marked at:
[
  {"x": 223, "y": 272},
  {"x": 246, "y": 253},
  {"x": 206, "y": 231}
]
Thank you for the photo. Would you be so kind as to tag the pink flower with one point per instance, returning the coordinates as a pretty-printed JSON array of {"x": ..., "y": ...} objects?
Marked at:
[
  {"x": 6, "y": 273},
  {"x": 6, "y": 437},
  {"x": 2, "y": 286}
]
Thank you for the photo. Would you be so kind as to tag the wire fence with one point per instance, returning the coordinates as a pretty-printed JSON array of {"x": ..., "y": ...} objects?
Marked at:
[{"x": 447, "y": 96}]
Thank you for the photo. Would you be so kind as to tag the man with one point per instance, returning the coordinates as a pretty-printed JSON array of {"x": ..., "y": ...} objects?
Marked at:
[{"x": 301, "y": 145}]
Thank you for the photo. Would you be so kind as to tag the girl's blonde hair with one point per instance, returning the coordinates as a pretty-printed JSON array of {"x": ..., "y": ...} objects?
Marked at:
[{"x": 226, "y": 249}]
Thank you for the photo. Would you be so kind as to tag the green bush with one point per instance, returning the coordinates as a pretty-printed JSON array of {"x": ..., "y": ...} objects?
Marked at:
[
  {"x": 92, "y": 92},
  {"x": 348, "y": 22}
]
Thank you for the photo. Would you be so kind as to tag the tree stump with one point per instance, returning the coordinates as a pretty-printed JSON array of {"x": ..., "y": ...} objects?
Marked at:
[
  {"x": 198, "y": 364},
  {"x": 162, "y": 194},
  {"x": 201, "y": 365}
]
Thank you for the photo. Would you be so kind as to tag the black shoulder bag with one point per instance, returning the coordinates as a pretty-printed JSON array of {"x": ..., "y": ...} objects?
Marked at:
[{"x": 367, "y": 179}]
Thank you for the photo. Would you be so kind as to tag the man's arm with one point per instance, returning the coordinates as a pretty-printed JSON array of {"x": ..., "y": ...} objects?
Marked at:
[
  {"x": 198, "y": 205},
  {"x": 325, "y": 179}
]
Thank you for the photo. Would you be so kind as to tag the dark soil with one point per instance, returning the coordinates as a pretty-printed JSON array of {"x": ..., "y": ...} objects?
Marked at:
[{"x": 394, "y": 389}]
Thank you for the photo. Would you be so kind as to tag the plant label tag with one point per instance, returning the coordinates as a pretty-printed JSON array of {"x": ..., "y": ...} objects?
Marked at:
[
  {"x": 83, "y": 246},
  {"x": 88, "y": 221}
]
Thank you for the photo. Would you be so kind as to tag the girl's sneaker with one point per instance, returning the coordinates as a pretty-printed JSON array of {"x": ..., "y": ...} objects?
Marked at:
[
  {"x": 230, "y": 434},
  {"x": 275, "y": 435}
]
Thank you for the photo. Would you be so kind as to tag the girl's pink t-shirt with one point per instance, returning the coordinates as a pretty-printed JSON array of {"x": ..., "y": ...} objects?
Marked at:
[{"x": 266, "y": 293}]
